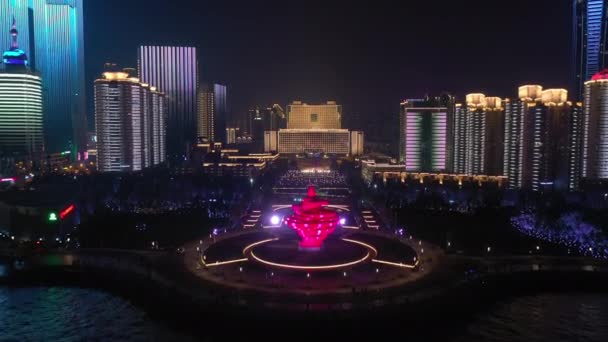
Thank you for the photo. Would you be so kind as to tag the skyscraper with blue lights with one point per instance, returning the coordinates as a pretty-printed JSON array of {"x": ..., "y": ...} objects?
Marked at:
[
  {"x": 589, "y": 20},
  {"x": 52, "y": 37},
  {"x": 21, "y": 132}
]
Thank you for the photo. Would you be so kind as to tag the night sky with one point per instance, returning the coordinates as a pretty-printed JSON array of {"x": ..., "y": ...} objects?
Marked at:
[{"x": 366, "y": 57}]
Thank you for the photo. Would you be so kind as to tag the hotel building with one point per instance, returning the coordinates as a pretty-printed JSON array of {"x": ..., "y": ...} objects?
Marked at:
[{"x": 130, "y": 123}]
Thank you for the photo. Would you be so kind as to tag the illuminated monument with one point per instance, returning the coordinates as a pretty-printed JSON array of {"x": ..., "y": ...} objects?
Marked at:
[{"x": 312, "y": 222}]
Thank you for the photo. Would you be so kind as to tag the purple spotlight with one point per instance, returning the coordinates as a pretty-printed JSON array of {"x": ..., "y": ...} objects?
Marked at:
[{"x": 275, "y": 220}]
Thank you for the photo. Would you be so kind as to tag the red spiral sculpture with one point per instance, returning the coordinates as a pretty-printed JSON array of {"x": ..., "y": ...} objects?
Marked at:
[{"x": 312, "y": 222}]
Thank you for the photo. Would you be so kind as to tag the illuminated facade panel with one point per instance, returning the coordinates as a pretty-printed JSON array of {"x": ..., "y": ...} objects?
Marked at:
[
  {"x": 425, "y": 143},
  {"x": 304, "y": 116},
  {"x": 21, "y": 114},
  {"x": 328, "y": 141}
]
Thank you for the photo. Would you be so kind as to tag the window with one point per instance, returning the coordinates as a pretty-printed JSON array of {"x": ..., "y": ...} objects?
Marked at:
[{"x": 314, "y": 117}]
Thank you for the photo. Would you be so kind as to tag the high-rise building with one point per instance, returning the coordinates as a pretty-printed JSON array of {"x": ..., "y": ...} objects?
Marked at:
[
  {"x": 271, "y": 141},
  {"x": 258, "y": 125},
  {"x": 130, "y": 123},
  {"x": 595, "y": 128},
  {"x": 356, "y": 143},
  {"x": 231, "y": 134},
  {"x": 304, "y": 116},
  {"x": 174, "y": 70},
  {"x": 220, "y": 96},
  {"x": 424, "y": 134},
  {"x": 542, "y": 140},
  {"x": 21, "y": 110},
  {"x": 206, "y": 113},
  {"x": 589, "y": 38},
  {"x": 53, "y": 38},
  {"x": 212, "y": 112},
  {"x": 478, "y": 136}
]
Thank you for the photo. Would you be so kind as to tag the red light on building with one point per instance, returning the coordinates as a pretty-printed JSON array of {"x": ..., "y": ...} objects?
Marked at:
[
  {"x": 65, "y": 212},
  {"x": 312, "y": 222}
]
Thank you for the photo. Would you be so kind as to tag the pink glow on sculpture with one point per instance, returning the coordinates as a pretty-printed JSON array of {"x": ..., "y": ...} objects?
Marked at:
[{"x": 312, "y": 222}]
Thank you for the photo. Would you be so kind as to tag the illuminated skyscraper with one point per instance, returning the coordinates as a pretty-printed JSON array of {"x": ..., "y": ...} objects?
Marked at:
[
  {"x": 424, "y": 134},
  {"x": 595, "y": 128},
  {"x": 220, "y": 98},
  {"x": 174, "y": 70},
  {"x": 129, "y": 118},
  {"x": 304, "y": 116},
  {"x": 543, "y": 140},
  {"x": 53, "y": 39},
  {"x": 206, "y": 113},
  {"x": 21, "y": 119},
  {"x": 590, "y": 22},
  {"x": 478, "y": 136}
]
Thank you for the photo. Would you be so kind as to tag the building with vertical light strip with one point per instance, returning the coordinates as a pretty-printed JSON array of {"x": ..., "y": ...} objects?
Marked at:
[
  {"x": 220, "y": 98},
  {"x": 424, "y": 135},
  {"x": 543, "y": 140},
  {"x": 206, "y": 113},
  {"x": 174, "y": 71},
  {"x": 129, "y": 120},
  {"x": 478, "y": 136},
  {"x": 21, "y": 107},
  {"x": 595, "y": 128},
  {"x": 589, "y": 37},
  {"x": 53, "y": 38}
]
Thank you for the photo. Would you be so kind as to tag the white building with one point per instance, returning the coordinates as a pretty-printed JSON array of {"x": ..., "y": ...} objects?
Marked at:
[{"x": 130, "y": 123}]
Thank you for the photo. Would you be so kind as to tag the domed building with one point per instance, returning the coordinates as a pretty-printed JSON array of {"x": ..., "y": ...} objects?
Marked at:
[{"x": 21, "y": 112}]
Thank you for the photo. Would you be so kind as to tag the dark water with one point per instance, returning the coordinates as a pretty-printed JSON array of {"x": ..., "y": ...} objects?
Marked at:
[
  {"x": 545, "y": 317},
  {"x": 73, "y": 314}
]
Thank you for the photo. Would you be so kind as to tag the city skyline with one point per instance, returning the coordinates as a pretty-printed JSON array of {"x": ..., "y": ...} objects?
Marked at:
[{"x": 262, "y": 65}]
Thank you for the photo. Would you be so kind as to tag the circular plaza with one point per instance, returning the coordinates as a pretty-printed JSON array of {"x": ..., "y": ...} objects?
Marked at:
[{"x": 312, "y": 247}]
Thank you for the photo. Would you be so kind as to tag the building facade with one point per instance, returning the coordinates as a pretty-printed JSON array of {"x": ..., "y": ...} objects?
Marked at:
[
  {"x": 314, "y": 141},
  {"x": 590, "y": 23},
  {"x": 424, "y": 144},
  {"x": 543, "y": 140},
  {"x": 21, "y": 105},
  {"x": 478, "y": 136},
  {"x": 174, "y": 70},
  {"x": 206, "y": 113},
  {"x": 231, "y": 134},
  {"x": 220, "y": 98},
  {"x": 304, "y": 116},
  {"x": 357, "y": 140},
  {"x": 130, "y": 123},
  {"x": 53, "y": 38},
  {"x": 595, "y": 128}
]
